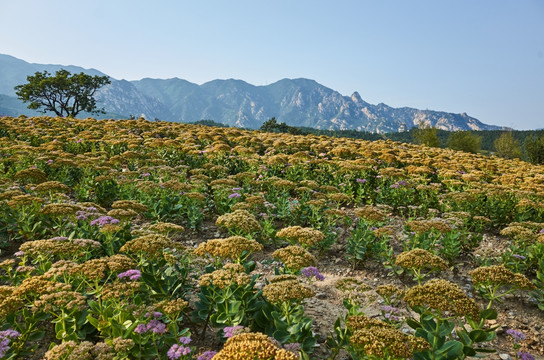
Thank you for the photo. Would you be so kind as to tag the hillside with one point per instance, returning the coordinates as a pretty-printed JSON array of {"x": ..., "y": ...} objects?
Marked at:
[{"x": 145, "y": 240}]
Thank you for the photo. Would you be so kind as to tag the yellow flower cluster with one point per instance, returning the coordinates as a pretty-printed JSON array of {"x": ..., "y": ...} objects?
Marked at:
[
  {"x": 98, "y": 269},
  {"x": 423, "y": 226},
  {"x": 33, "y": 174},
  {"x": 52, "y": 187},
  {"x": 129, "y": 205},
  {"x": 166, "y": 229},
  {"x": 384, "y": 232},
  {"x": 60, "y": 268},
  {"x": 377, "y": 338},
  {"x": 351, "y": 285},
  {"x": 60, "y": 209},
  {"x": 499, "y": 275},
  {"x": 303, "y": 236},
  {"x": 286, "y": 289},
  {"x": 122, "y": 214},
  {"x": 240, "y": 221},
  {"x": 294, "y": 257},
  {"x": 230, "y": 274},
  {"x": 252, "y": 346},
  {"x": 390, "y": 292},
  {"x": 119, "y": 290},
  {"x": 420, "y": 259},
  {"x": 230, "y": 248},
  {"x": 371, "y": 213},
  {"x": 24, "y": 200},
  {"x": 32, "y": 288},
  {"x": 172, "y": 307},
  {"x": 58, "y": 247},
  {"x": 60, "y": 296},
  {"x": 86, "y": 350},
  {"x": 151, "y": 245},
  {"x": 443, "y": 296},
  {"x": 9, "y": 303}
]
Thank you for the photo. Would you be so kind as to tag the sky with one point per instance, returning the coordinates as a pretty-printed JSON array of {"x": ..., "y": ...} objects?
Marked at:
[{"x": 485, "y": 57}]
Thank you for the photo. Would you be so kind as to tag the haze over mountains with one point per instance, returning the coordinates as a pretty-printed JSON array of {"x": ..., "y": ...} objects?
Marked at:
[{"x": 297, "y": 102}]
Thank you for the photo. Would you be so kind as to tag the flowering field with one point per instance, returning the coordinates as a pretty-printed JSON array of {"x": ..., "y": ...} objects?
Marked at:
[{"x": 140, "y": 240}]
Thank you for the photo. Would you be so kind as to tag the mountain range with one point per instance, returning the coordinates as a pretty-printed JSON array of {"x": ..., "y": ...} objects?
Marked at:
[{"x": 297, "y": 102}]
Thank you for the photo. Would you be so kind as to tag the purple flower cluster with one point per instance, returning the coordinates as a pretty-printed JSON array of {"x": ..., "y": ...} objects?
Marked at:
[
  {"x": 5, "y": 337},
  {"x": 391, "y": 313},
  {"x": 398, "y": 184},
  {"x": 231, "y": 331},
  {"x": 154, "y": 314},
  {"x": 59, "y": 238},
  {"x": 516, "y": 334},
  {"x": 132, "y": 274},
  {"x": 312, "y": 272},
  {"x": 155, "y": 326},
  {"x": 292, "y": 347},
  {"x": 517, "y": 256},
  {"x": 207, "y": 355},
  {"x": 525, "y": 356},
  {"x": 177, "y": 350},
  {"x": 91, "y": 211},
  {"x": 234, "y": 195},
  {"x": 104, "y": 220}
]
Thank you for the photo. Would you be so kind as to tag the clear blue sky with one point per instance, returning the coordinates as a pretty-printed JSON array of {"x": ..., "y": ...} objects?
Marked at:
[{"x": 482, "y": 57}]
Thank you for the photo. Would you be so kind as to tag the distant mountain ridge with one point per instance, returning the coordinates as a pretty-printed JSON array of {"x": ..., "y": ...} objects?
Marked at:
[{"x": 297, "y": 102}]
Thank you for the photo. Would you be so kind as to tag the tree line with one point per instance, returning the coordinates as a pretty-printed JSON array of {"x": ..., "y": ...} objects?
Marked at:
[{"x": 510, "y": 144}]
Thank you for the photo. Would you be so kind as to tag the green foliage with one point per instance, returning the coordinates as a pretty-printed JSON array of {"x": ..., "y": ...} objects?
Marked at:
[
  {"x": 465, "y": 141},
  {"x": 363, "y": 243},
  {"x": 206, "y": 122},
  {"x": 507, "y": 146},
  {"x": 273, "y": 126},
  {"x": 534, "y": 147},
  {"x": 439, "y": 333},
  {"x": 64, "y": 94},
  {"x": 538, "y": 293},
  {"x": 426, "y": 135},
  {"x": 287, "y": 323}
]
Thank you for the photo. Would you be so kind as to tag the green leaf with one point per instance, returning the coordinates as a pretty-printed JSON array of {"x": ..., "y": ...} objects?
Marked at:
[
  {"x": 36, "y": 336},
  {"x": 478, "y": 335},
  {"x": 413, "y": 324},
  {"x": 282, "y": 335},
  {"x": 446, "y": 328},
  {"x": 489, "y": 314},
  {"x": 234, "y": 307},
  {"x": 451, "y": 349},
  {"x": 92, "y": 321},
  {"x": 469, "y": 351},
  {"x": 250, "y": 266}
]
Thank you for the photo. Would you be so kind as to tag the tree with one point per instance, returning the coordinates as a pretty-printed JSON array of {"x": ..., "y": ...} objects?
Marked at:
[
  {"x": 534, "y": 147},
  {"x": 270, "y": 125},
  {"x": 426, "y": 135},
  {"x": 64, "y": 94},
  {"x": 465, "y": 141},
  {"x": 507, "y": 146}
]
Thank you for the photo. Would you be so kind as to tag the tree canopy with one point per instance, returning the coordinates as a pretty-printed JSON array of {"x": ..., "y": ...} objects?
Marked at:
[
  {"x": 426, "y": 135},
  {"x": 64, "y": 94},
  {"x": 465, "y": 141}
]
